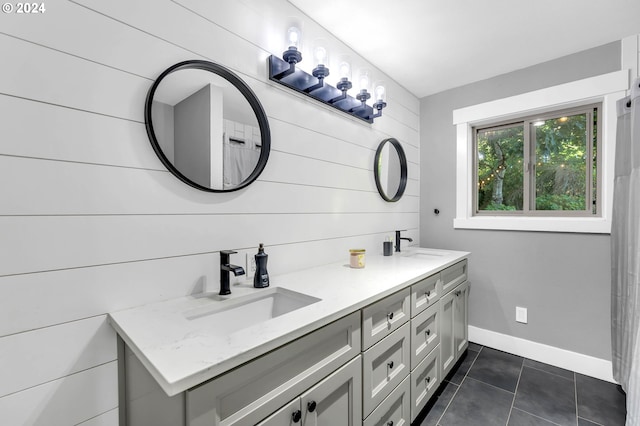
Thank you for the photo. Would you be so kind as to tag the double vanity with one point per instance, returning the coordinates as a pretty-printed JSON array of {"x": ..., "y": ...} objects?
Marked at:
[{"x": 329, "y": 345}]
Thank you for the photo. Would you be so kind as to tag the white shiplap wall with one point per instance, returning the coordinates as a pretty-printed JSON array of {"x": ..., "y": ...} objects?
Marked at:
[{"x": 91, "y": 222}]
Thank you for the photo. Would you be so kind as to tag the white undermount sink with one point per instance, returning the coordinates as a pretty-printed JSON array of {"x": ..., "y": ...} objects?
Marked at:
[
  {"x": 424, "y": 253},
  {"x": 231, "y": 315}
]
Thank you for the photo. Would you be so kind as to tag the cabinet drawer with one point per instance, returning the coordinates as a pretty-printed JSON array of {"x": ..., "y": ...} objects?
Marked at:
[
  {"x": 254, "y": 390},
  {"x": 384, "y": 366},
  {"x": 383, "y": 317},
  {"x": 425, "y": 293},
  {"x": 454, "y": 275},
  {"x": 395, "y": 409},
  {"x": 425, "y": 334},
  {"x": 425, "y": 379}
]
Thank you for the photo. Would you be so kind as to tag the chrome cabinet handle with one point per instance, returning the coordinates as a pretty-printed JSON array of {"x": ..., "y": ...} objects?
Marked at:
[
  {"x": 390, "y": 423},
  {"x": 428, "y": 379},
  {"x": 428, "y": 293},
  {"x": 296, "y": 416},
  {"x": 390, "y": 316},
  {"x": 428, "y": 332},
  {"x": 390, "y": 365}
]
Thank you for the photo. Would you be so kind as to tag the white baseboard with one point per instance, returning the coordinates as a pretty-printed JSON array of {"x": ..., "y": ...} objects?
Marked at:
[{"x": 583, "y": 364}]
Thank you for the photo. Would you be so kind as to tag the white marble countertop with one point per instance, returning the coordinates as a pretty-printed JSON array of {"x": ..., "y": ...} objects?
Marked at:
[{"x": 180, "y": 353}]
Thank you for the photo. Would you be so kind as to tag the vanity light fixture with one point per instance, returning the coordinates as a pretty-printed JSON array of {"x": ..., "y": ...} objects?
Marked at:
[{"x": 285, "y": 72}]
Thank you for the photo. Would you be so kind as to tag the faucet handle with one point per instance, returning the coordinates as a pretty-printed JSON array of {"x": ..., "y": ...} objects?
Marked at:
[{"x": 224, "y": 256}]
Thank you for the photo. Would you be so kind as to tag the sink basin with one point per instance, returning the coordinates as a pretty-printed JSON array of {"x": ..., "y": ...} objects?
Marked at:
[
  {"x": 232, "y": 315},
  {"x": 424, "y": 253}
]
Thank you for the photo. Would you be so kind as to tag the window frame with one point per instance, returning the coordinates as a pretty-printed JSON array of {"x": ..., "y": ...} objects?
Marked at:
[
  {"x": 529, "y": 160},
  {"x": 605, "y": 89}
]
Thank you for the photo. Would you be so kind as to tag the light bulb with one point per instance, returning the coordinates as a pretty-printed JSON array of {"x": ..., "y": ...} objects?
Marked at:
[
  {"x": 380, "y": 93},
  {"x": 364, "y": 80},
  {"x": 345, "y": 70},
  {"x": 320, "y": 54},
  {"x": 293, "y": 37}
]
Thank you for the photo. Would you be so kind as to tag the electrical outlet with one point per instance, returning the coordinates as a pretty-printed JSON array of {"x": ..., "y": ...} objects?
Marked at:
[
  {"x": 250, "y": 265},
  {"x": 521, "y": 314}
]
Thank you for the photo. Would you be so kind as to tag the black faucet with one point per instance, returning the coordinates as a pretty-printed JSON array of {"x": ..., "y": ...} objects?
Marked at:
[
  {"x": 225, "y": 268},
  {"x": 398, "y": 238}
]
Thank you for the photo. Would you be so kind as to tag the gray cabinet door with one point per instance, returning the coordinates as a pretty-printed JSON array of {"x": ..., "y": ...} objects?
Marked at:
[
  {"x": 447, "y": 320},
  {"x": 336, "y": 400},
  {"x": 461, "y": 321},
  {"x": 454, "y": 326}
]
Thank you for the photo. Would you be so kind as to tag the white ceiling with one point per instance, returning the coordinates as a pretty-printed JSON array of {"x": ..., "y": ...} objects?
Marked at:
[{"x": 429, "y": 46}]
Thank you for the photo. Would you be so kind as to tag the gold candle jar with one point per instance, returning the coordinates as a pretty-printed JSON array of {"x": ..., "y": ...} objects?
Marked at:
[{"x": 356, "y": 258}]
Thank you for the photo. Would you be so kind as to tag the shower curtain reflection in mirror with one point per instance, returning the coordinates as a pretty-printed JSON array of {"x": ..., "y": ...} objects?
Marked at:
[{"x": 206, "y": 128}]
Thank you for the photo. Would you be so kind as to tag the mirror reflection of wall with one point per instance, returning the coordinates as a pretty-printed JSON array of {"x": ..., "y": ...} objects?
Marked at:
[
  {"x": 206, "y": 128},
  {"x": 390, "y": 170}
]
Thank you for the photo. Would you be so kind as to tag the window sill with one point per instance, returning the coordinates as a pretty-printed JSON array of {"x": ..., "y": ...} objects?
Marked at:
[{"x": 587, "y": 225}]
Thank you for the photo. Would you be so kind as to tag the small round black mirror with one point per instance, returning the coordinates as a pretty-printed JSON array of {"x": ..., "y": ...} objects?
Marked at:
[
  {"x": 207, "y": 126},
  {"x": 390, "y": 170}
]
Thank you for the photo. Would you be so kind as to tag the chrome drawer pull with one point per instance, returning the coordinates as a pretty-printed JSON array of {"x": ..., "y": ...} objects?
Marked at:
[
  {"x": 390, "y": 365},
  {"x": 296, "y": 416}
]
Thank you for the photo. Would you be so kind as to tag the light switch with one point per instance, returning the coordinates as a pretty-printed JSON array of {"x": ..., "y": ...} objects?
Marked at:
[{"x": 521, "y": 314}]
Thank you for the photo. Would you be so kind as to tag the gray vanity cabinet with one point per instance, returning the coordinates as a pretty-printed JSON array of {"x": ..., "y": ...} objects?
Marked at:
[
  {"x": 454, "y": 326},
  {"x": 377, "y": 366},
  {"x": 336, "y": 400}
]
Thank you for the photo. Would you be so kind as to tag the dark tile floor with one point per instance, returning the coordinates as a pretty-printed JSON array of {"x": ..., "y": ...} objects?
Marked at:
[{"x": 490, "y": 387}]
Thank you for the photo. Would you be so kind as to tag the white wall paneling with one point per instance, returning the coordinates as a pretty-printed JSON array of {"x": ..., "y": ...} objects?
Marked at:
[
  {"x": 34, "y": 357},
  {"x": 66, "y": 401},
  {"x": 110, "y": 418},
  {"x": 71, "y": 241},
  {"x": 92, "y": 222},
  {"x": 145, "y": 192}
]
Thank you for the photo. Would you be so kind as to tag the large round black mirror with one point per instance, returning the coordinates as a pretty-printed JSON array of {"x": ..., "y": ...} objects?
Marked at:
[
  {"x": 207, "y": 126},
  {"x": 390, "y": 170}
]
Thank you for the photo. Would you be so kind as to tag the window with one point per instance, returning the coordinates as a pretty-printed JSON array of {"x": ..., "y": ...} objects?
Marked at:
[
  {"x": 543, "y": 164},
  {"x": 545, "y": 197}
]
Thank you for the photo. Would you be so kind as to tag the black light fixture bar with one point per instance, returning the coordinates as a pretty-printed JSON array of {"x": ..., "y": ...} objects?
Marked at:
[{"x": 301, "y": 82}]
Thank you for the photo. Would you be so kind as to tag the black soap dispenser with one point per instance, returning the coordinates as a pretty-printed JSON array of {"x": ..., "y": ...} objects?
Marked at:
[{"x": 261, "y": 277}]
